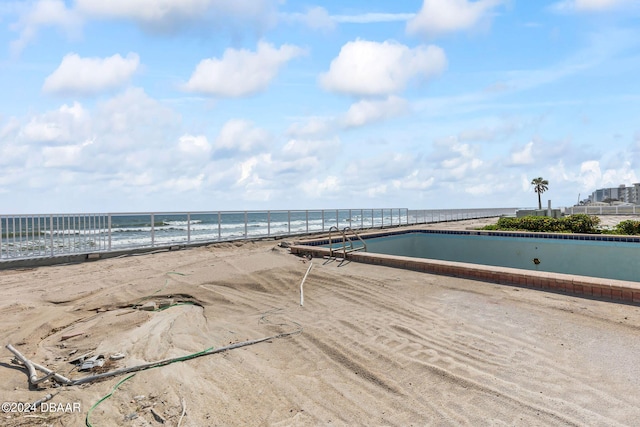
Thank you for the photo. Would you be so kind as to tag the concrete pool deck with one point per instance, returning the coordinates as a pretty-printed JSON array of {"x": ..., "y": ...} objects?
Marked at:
[{"x": 589, "y": 287}]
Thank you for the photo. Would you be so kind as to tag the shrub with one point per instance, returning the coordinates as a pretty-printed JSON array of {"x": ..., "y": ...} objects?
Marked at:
[
  {"x": 628, "y": 227},
  {"x": 581, "y": 223},
  {"x": 578, "y": 223}
]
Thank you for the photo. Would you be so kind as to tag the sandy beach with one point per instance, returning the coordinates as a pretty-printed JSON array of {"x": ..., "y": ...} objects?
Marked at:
[{"x": 372, "y": 345}]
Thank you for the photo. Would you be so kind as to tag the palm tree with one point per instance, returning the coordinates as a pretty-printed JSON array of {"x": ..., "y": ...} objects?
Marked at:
[{"x": 540, "y": 186}]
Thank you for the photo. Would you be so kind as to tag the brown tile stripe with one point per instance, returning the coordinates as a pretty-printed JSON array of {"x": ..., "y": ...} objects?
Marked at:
[{"x": 591, "y": 287}]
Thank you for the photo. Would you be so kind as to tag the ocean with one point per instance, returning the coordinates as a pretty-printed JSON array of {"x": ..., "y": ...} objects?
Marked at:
[{"x": 35, "y": 236}]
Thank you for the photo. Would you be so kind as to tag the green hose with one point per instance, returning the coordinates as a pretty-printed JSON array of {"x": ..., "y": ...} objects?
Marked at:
[{"x": 87, "y": 422}]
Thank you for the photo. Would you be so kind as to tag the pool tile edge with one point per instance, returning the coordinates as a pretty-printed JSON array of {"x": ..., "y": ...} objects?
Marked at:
[{"x": 589, "y": 287}]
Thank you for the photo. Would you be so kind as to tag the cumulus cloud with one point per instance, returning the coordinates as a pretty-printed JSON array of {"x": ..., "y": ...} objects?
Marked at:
[
  {"x": 240, "y": 72},
  {"x": 169, "y": 15},
  {"x": 62, "y": 125},
  {"x": 327, "y": 187},
  {"x": 241, "y": 136},
  {"x": 194, "y": 146},
  {"x": 45, "y": 13},
  {"x": 591, "y": 175},
  {"x": 134, "y": 117},
  {"x": 523, "y": 156},
  {"x": 367, "y": 111},
  {"x": 316, "y": 18},
  {"x": 312, "y": 126},
  {"x": 370, "y": 68},
  {"x": 439, "y": 17},
  {"x": 65, "y": 155},
  {"x": 155, "y": 16},
  {"x": 89, "y": 76},
  {"x": 373, "y": 18},
  {"x": 359, "y": 114},
  {"x": 456, "y": 160}
]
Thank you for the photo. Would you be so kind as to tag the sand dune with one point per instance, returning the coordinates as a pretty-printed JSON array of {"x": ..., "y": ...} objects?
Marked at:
[{"x": 378, "y": 346}]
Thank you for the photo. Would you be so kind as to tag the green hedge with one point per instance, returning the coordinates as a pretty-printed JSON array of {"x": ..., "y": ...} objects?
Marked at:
[
  {"x": 627, "y": 227},
  {"x": 578, "y": 223}
]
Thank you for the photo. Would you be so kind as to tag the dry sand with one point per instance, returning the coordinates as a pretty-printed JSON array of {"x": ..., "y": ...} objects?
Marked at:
[{"x": 379, "y": 346}]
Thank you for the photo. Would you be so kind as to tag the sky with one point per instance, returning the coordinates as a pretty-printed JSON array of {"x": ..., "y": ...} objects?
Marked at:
[{"x": 206, "y": 105}]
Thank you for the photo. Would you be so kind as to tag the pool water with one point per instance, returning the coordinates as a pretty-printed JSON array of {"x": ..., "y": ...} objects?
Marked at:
[{"x": 605, "y": 257}]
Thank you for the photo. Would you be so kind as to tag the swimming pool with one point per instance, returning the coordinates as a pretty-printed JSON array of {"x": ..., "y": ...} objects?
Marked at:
[
  {"x": 594, "y": 265},
  {"x": 609, "y": 259}
]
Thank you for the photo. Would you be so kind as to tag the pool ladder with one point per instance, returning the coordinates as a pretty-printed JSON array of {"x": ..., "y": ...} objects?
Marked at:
[{"x": 347, "y": 243}]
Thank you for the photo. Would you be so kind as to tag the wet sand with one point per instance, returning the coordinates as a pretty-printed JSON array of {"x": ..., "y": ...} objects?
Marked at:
[{"x": 377, "y": 346}]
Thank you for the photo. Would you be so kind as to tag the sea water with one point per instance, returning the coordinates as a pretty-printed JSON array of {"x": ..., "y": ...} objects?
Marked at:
[{"x": 45, "y": 235}]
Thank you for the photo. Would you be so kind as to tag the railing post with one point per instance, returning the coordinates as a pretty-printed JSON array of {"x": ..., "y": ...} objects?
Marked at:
[
  {"x": 153, "y": 229},
  {"x": 109, "y": 229},
  {"x": 50, "y": 232},
  {"x": 188, "y": 228}
]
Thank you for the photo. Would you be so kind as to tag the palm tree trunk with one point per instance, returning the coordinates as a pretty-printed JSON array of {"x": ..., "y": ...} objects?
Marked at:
[{"x": 539, "y": 202}]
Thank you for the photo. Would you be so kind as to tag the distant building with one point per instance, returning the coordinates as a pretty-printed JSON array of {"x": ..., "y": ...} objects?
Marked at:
[{"x": 620, "y": 194}]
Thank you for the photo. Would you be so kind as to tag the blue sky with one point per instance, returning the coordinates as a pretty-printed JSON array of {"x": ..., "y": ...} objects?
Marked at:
[{"x": 176, "y": 105}]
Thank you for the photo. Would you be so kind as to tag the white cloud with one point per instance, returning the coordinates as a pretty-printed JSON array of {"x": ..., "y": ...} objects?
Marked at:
[
  {"x": 241, "y": 136},
  {"x": 240, "y": 72},
  {"x": 317, "y": 148},
  {"x": 316, "y": 18},
  {"x": 143, "y": 10},
  {"x": 196, "y": 146},
  {"x": 372, "y": 68},
  {"x": 524, "y": 156},
  {"x": 459, "y": 160},
  {"x": 367, "y": 111},
  {"x": 376, "y": 190},
  {"x": 44, "y": 13},
  {"x": 329, "y": 186},
  {"x": 65, "y": 124},
  {"x": 438, "y": 17},
  {"x": 156, "y": 16},
  {"x": 373, "y": 18},
  {"x": 591, "y": 175},
  {"x": 590, "y": 5},
  {"x": 65, "y": 155},
  {"x": 89, "y": 76},
  {"x": 134, "y": 119},
  {"x": 312, "y": 126},
  {"x": 360, "y": 113},
  {"x": 168, "y": 15},
  {"x": 184, "y": 183},
  {"x": 415, "y": 181}
]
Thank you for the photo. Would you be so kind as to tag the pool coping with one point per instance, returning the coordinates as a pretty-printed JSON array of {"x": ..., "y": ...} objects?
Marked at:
[{"x": 583, "y": 286}]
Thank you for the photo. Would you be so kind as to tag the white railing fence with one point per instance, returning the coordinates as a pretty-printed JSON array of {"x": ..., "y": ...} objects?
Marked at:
[
  {"x": 50, "y": 235},
  {"x": 603, "y": 210}
]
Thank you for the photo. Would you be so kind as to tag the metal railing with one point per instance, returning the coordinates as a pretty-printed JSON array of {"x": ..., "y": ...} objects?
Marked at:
[
  {"x": 50, "y": 235},
  {"x": 603, "y": 210}
]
